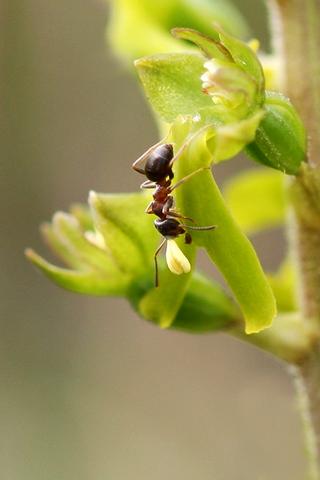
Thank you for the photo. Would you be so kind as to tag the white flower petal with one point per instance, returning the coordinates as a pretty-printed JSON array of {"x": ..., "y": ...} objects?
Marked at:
[
  {"x": 96, "y": 238},
  {"x": 212, "y": 66},
  {"x": 176, "y": 260},
  {"x": 205, "y": 77}
]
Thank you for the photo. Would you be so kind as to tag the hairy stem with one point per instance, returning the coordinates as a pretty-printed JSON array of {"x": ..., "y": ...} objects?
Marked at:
[{"x": 296, "y": 26}]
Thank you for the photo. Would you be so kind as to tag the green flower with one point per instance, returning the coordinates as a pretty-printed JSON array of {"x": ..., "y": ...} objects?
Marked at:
[{"x": 212, "y": 105}]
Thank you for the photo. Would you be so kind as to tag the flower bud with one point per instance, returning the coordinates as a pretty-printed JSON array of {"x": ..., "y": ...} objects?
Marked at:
[{"x": 280, "y": 140}]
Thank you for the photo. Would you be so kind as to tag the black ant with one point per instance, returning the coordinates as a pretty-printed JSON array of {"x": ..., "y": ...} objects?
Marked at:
[{"x": 159, "y": 160}]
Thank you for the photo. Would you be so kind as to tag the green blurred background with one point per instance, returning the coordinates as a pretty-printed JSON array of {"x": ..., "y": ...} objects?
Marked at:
[{"x": 88, "y": 390}]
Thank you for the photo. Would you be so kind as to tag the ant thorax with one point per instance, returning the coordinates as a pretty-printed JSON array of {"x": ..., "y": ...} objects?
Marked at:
[{"x": 161, "y": 192}]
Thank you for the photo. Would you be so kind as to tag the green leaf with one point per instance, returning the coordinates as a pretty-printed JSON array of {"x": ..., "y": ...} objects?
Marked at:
[
  {"x": 200, "y": 15},
  {"x": 140, "y": 27},
  {"x": 60, "y": 247},
  {"x": 67, "y": 239},
  {"x": 133, "y": 32},
  {"x": 82, "y": 213},
  {"x": 101, "y": 265},
  {"x": 227, "y": 246},
  {"x": 232, "y": 138},
  {"x": 161, "y": 304},
  {"x": 87, "y": 281},
  {"x": 245, "y": 58},
  {"x": 280, "y": 140},
  {"x": 93, "y": 270},
  {"x": 205, "y": 308},
  {"x": 256, "y": 199},
  {"x": 128, "y": 232},
  {"x": 172, "y": 84}
]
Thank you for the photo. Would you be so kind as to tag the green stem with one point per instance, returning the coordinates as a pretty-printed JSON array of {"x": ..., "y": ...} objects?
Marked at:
[
  {"x": 289, "y": 338},
  {"x": 297, "y": 39},
  {"x": 307, "y": 383},
  {"x": 296, "y": 25}
]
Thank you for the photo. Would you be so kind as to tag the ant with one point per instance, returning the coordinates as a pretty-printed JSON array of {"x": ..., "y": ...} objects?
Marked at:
[{"x": 159, "y": 160}]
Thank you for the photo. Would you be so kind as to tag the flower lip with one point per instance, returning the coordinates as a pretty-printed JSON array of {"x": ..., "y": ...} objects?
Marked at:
[{"x": 176, "y": 260}]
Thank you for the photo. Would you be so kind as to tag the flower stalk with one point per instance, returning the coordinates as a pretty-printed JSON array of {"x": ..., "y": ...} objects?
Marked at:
[{"x": 297, "y": 39}]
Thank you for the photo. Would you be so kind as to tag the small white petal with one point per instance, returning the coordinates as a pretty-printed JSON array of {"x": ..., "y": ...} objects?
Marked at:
[
  {"x": 176, "y": 260},
  {"x": 212, "y": 66},
  {"x": 206, "y": 86},
  {"x": 96, "y": 238},
  {"x": 205, "y": 77}
]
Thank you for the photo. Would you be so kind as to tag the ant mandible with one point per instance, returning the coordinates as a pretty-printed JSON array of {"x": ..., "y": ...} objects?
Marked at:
[{"x": 159, "y": 160}]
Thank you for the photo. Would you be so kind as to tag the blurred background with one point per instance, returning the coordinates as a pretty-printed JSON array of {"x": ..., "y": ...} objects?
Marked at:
[{"x": 88, "y": 390}]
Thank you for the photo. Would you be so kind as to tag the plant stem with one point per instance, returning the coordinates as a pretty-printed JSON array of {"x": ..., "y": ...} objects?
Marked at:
[
  {"x": 308, "y": 379},
  {"x": 296, "y": 26},
  {"x": 288, "y": 338}
]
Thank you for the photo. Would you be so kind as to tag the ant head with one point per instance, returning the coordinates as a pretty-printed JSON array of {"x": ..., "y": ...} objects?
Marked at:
[{"x": 158, "y": 165}]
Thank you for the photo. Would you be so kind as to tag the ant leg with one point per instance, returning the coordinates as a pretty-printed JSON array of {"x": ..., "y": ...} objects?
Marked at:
[
  {"x": 187, "y": 238},
  {"x": 173, "y": 213},
  {"x": 144, "y": 156},
  {"x": 180, "y": 151},
  {"x": 156, "y": 262},
  {"x": 177, "y": 155},
  {"x": 168, "y": 204},
  {"x": 187, "y": 143},
  {"x": 168, "y": 211},
  {"x": 187, "y": 177},
  {"x": 149, "y": 208},
  {"x": 147, "y": 184}
]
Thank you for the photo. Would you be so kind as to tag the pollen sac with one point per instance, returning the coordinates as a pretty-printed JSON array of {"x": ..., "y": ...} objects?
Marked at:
[{"x": 176, "y": 260}]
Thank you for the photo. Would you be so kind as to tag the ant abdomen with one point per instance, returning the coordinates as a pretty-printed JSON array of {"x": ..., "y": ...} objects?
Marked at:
[
  {"x": 169, "y": 227},
  {"x": 158, "y": 165}
]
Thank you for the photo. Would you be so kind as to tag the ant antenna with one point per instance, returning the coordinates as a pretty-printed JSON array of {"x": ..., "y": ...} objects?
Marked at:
[
  {"x": 209, "y": 227},
  {"x": 187, "y": 177}
]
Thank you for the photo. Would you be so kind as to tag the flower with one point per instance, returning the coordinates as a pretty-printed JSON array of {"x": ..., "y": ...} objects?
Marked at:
[
  {"x": 176, "y": 260},
  {"x": 228, "y": 84}
]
